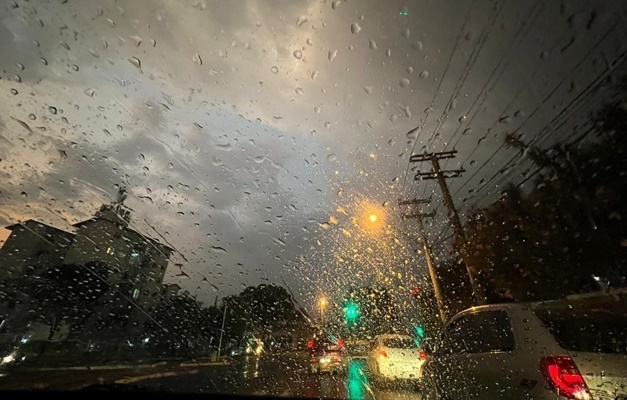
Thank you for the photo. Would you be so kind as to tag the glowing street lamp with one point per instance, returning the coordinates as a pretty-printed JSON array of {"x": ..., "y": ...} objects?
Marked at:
[
  {"x": 373, "y": 218},
  {"x": 323, "y": 305}
]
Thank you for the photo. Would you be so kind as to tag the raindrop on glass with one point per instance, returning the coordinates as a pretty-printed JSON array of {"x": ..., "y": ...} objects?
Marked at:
[{"x": 135, "y": 62}]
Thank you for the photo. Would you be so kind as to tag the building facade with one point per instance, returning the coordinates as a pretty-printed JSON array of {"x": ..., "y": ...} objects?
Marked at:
[{"x": 111, "y": 271}]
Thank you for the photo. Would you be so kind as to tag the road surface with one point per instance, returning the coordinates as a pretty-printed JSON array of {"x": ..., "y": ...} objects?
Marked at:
[{"x": 281, "y": 375}]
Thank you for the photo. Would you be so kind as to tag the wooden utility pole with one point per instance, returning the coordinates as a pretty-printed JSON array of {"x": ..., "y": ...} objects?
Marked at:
[
  {"x": 435, "y": 281},
  {"x": 453, "y": 216}
]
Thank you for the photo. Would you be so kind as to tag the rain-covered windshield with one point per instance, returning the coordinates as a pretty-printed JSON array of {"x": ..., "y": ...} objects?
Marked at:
[
  {"x": 400, "y": 343},
  {"x": 195, "y": 195}
]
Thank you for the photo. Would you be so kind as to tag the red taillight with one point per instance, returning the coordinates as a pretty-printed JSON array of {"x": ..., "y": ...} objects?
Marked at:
[
  {"x": 422, "y": 355},
  {"x": 310, "y": 344},
  {"x": 564, "y": 377},
  {"x": 382, "y": 354},
  {"x": 314, "y": 360},
  {"x": 340, "y": 343}
]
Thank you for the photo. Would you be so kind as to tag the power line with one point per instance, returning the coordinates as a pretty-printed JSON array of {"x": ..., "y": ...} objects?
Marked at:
[{"x": 446, "y": 68}]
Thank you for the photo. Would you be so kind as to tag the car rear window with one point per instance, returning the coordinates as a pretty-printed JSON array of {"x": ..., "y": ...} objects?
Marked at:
[
  {"x": 590, "y": 329},
  {"x": 400, "y": 343}
]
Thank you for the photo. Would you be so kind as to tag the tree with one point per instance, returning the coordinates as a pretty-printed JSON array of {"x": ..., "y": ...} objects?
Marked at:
[
  {"x": 549, "y": 242},
  {"x": 261, "y": 310}
]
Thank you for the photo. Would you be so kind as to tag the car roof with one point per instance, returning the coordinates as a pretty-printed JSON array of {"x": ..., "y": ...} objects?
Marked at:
[{"x": 392, "y": 336}]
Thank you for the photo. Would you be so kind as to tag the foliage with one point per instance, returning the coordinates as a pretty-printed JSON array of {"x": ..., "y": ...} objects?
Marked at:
[
  {"x": 260, "y": 310},
  {"x": 549, "y": 242}
]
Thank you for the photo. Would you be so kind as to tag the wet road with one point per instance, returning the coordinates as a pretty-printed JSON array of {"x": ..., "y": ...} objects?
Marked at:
[{"x": 282, "y": 375}]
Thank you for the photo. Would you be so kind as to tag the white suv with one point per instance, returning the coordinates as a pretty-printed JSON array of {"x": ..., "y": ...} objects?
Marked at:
[{"x": 570, "y": 349}]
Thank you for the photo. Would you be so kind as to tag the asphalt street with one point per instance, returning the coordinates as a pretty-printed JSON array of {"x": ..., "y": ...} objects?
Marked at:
[{"x": 281, "y": 375}]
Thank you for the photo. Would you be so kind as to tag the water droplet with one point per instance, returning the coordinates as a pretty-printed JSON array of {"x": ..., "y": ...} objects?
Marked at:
[
  {"x": 53, "y": 110},
  {"x": 404, "y": 82},
  {"x": 372, "y": 44},
  {"x": 314, "y": 74},
  {"x": 274, "y": 70},
  {"x": 135, "y": 62},
  {"x": 89, "y": 92},
  {"x": 393, "y": 117},
  {"x": 355, "y": 28},
  {"x": 65, "y": 45},
  {"x": 409, "y": 70},
  {"x": 332, "y": 157},
  {"x": 44, "y": 61},
  {"x": 519, "y": 114},
  {"x": 196, "y": 59},
  {"x": 473, "y": 162},
  {"x": 335, "y": 4},
  {"x": 467, "y": 131},
  {"x": 23, "y": 194},
  {"x": 388, "y": 53},
  {"x": 23, "y": 124},
  {"x": 301, "y": 20},
  {"x": 137, "y": 40},
  {"x": 424, "y": 74},
  {"x": 407, "y": 111},
  {"x": 32, "y": 117},
  {"x": 368, "y": 89},
  {"x": 75, "y": 67},
  {"x": 332, "y": 55},
  {"x": 17, "y": 78},
  {"x": 14, "y": 92},
  {"x": 19, "y": 66},
  {"x": 406, "y": 33},
  {"x": 317, "y": 109},
  {"x": 327, "y": 125},
  {"x": 298, "y": 54},
  {"x": 505, "y": 119}
]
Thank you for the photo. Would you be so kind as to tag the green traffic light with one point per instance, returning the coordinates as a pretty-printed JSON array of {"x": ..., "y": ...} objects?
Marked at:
[
  {"x": 352, "y": 312},
  {"x": 420, "y": 331}
]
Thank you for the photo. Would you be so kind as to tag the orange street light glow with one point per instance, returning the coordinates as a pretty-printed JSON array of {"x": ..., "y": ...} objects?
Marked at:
[{"x": 373, "y": 218}]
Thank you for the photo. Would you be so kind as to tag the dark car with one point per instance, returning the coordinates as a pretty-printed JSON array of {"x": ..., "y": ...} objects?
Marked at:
[{"x": 327, "y": 356}]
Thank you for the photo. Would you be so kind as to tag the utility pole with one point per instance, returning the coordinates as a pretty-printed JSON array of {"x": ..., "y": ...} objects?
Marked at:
[
  {"x": 435, "y": 281},
  {"x": 222, "y": 331},
  {"x": 453, "y": 216}
]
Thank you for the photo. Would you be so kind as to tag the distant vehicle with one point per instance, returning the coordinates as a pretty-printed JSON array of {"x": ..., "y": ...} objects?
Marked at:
[
  {"x": 568, "y": 349},
  {"x": 395, "y": 357},
  {"x": 327, "y": 356},
  {"x": 236, "y": 352},
  {"x": 357, "y": 349}
]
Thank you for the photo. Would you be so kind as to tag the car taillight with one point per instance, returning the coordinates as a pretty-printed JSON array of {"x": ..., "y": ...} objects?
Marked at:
[
  {"x": 310, "y": 344},
  {"x": 564, "y": 377},
  {"x": 314, "y": 360},
  {"x": 382, "y": 355},
  {"x": 422, "y": 355}
]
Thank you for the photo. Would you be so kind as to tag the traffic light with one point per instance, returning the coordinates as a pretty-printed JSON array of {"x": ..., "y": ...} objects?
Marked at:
[
  {"x": 420, "y": 331},
  {"x": 352, "y": 312}
]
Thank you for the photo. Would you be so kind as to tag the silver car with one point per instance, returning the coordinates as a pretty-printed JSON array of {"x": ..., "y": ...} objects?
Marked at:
[{"x": 570, "y": 349}]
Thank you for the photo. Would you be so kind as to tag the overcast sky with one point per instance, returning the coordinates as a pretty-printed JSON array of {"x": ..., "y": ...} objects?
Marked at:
[{"x": 257, "y": 137}]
